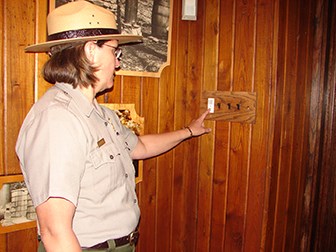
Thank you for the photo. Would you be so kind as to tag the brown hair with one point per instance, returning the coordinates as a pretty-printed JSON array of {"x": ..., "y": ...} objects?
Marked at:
[{"x": 69, "y": 64}]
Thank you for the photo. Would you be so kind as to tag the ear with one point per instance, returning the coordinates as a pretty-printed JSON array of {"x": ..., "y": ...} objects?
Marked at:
[{"x": 90, "y": 50}]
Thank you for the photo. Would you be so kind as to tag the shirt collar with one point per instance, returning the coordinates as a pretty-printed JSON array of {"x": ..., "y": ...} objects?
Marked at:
[{"x": 78, "y": 97}]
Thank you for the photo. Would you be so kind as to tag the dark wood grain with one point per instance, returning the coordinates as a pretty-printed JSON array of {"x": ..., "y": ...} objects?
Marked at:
[{"x": 265, "y": 186}]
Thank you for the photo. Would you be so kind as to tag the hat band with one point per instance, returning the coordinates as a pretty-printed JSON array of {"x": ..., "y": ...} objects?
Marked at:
[{"x": 81, "y": 33}]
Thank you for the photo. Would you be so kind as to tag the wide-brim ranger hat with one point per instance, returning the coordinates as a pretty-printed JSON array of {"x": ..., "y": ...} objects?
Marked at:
[{"x": 80, "y": 21}]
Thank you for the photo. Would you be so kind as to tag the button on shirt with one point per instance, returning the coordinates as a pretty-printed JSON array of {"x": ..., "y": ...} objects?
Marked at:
[{"x": 79, "y": 151}]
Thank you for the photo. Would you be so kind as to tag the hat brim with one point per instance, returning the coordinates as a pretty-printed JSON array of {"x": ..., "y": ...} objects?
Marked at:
[{"x": 45, "y": 47}]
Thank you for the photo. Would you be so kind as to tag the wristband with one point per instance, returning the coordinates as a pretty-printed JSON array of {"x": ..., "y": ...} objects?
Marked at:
[{"x": 191, "y": 133}]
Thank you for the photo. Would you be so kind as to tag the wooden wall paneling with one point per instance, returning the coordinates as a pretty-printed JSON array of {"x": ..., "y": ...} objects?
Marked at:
[
  {"x": 148, "y": 194},
  {"x": 131, "y": 90},
  {"x": 297, "y": 105},
  {"x": 287, "y": 125},
  {"x": 3, "y": 242},
  {"x": 300, "y": 142},
  {"x": 166, "y": 117},
  {"x": 240, "y": 134},
  {"x": 324, "y": 225},
  {"x": 102, "y": 97},
  {"x": 23, "y": 241},
  {"x": 191, "y": 147},
  {"x": 40, "y": 85},
  {"x": 241, "y": 186},
  {"x": 2, "y": 104},
  {"x": 278, "y": 117},
  {"x": 18, "y": 96},
  {"x": 126, "y": 89},
  {"x": 2, "y": 93},
  {"x": 271, "y": 169},
  {"x": 18, "y": 88},
  {"x": 180, "y": 66},
  {"x": 308, "y": 230},
  {"x": 324, "y": 238},
  {"x": 237, "y": 187},
  {"x": 226, "y": 45},
  {"x": 222, "y": 140},
  {"x": 263, "y": 83},
  {"x": 187, "y": 69},
  {"x": 290, "y": 136},
  {"x": 301, "y": 217},
  {"x": 210, "y": 29},
  {"x": 278, "y": 77},
  {"x": 220, "y": 185},
  {"x": 115, "y": 94}
]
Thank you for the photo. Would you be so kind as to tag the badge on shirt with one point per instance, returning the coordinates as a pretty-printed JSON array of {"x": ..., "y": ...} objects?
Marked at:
[{"x": 101, "y": 142}]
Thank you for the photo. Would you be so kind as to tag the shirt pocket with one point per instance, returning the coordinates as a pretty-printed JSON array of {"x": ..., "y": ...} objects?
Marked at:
[{"x": 106, "y": 172}]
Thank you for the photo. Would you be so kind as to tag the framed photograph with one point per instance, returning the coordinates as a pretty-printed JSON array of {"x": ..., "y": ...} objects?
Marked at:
[
  {"x": 149, "y": 18},
  {"x": 129, "y": 118},
  {"x": 16, "y": 208}
]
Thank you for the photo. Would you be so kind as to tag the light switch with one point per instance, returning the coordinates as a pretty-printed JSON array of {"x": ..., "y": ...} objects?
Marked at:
[
  {"x": 189, "y": 9},
  {"x": 211, "y": 105}
]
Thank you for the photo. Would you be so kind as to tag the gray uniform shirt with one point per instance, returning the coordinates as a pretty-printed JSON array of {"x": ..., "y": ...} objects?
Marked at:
[{"x": 79, "y": 151}]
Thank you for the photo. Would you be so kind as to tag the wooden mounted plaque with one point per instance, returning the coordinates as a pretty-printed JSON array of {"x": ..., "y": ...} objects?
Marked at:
[{"x": 230, "y": 106}]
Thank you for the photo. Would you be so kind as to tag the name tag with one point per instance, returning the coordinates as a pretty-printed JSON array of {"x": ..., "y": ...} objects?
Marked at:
[{"x": 101, "y": 142}]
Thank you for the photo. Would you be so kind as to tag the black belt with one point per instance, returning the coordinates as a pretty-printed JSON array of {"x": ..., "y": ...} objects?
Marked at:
[{"x": 130, "y": 239}]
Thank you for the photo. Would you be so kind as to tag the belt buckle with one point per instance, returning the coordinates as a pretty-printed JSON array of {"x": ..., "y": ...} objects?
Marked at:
[{"x": 133, "y": 237}]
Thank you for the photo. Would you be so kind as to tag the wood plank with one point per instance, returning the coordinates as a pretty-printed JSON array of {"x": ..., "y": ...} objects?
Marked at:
[
  {"x": 278, "y": 77},
  {"x": 166, "y": 118},
  {"x": 188, "y": 85},
  {"x": 301, "y": 129},
  {"x": 226, "y": 45},
  {"x": 210, "y": 25},
  {"x": 17, "y": 97},
  {"x": 240, "y": 135},
  {"x": 221, "y": 165},
  {"x": 40, "y": 85},
  {"x": 148, "y": 194},
  {"x": 131, "y": 89},
  {"x": 220, "y": 185},
  {"x": 3, "y": 242},
  {"x": 261, "y": 143},
  {"x": 115, "y": 95},
  {"x": 18, "y": 87},
  {"x": 179, "y": 64},
  {"x": 237, "y": 187},
  {"x": 2, "y": 96},
  {"x": 288, "y": 103},
  {"x": 23, "y": 241},
  {"x": 308, "y": 232},
  {"x": 324, "y": 231}
]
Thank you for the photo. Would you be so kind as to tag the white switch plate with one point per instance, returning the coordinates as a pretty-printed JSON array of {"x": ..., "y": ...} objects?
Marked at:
[
  {"x": 211, "y": 105},
  {"x": 189, "y": 9}
]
